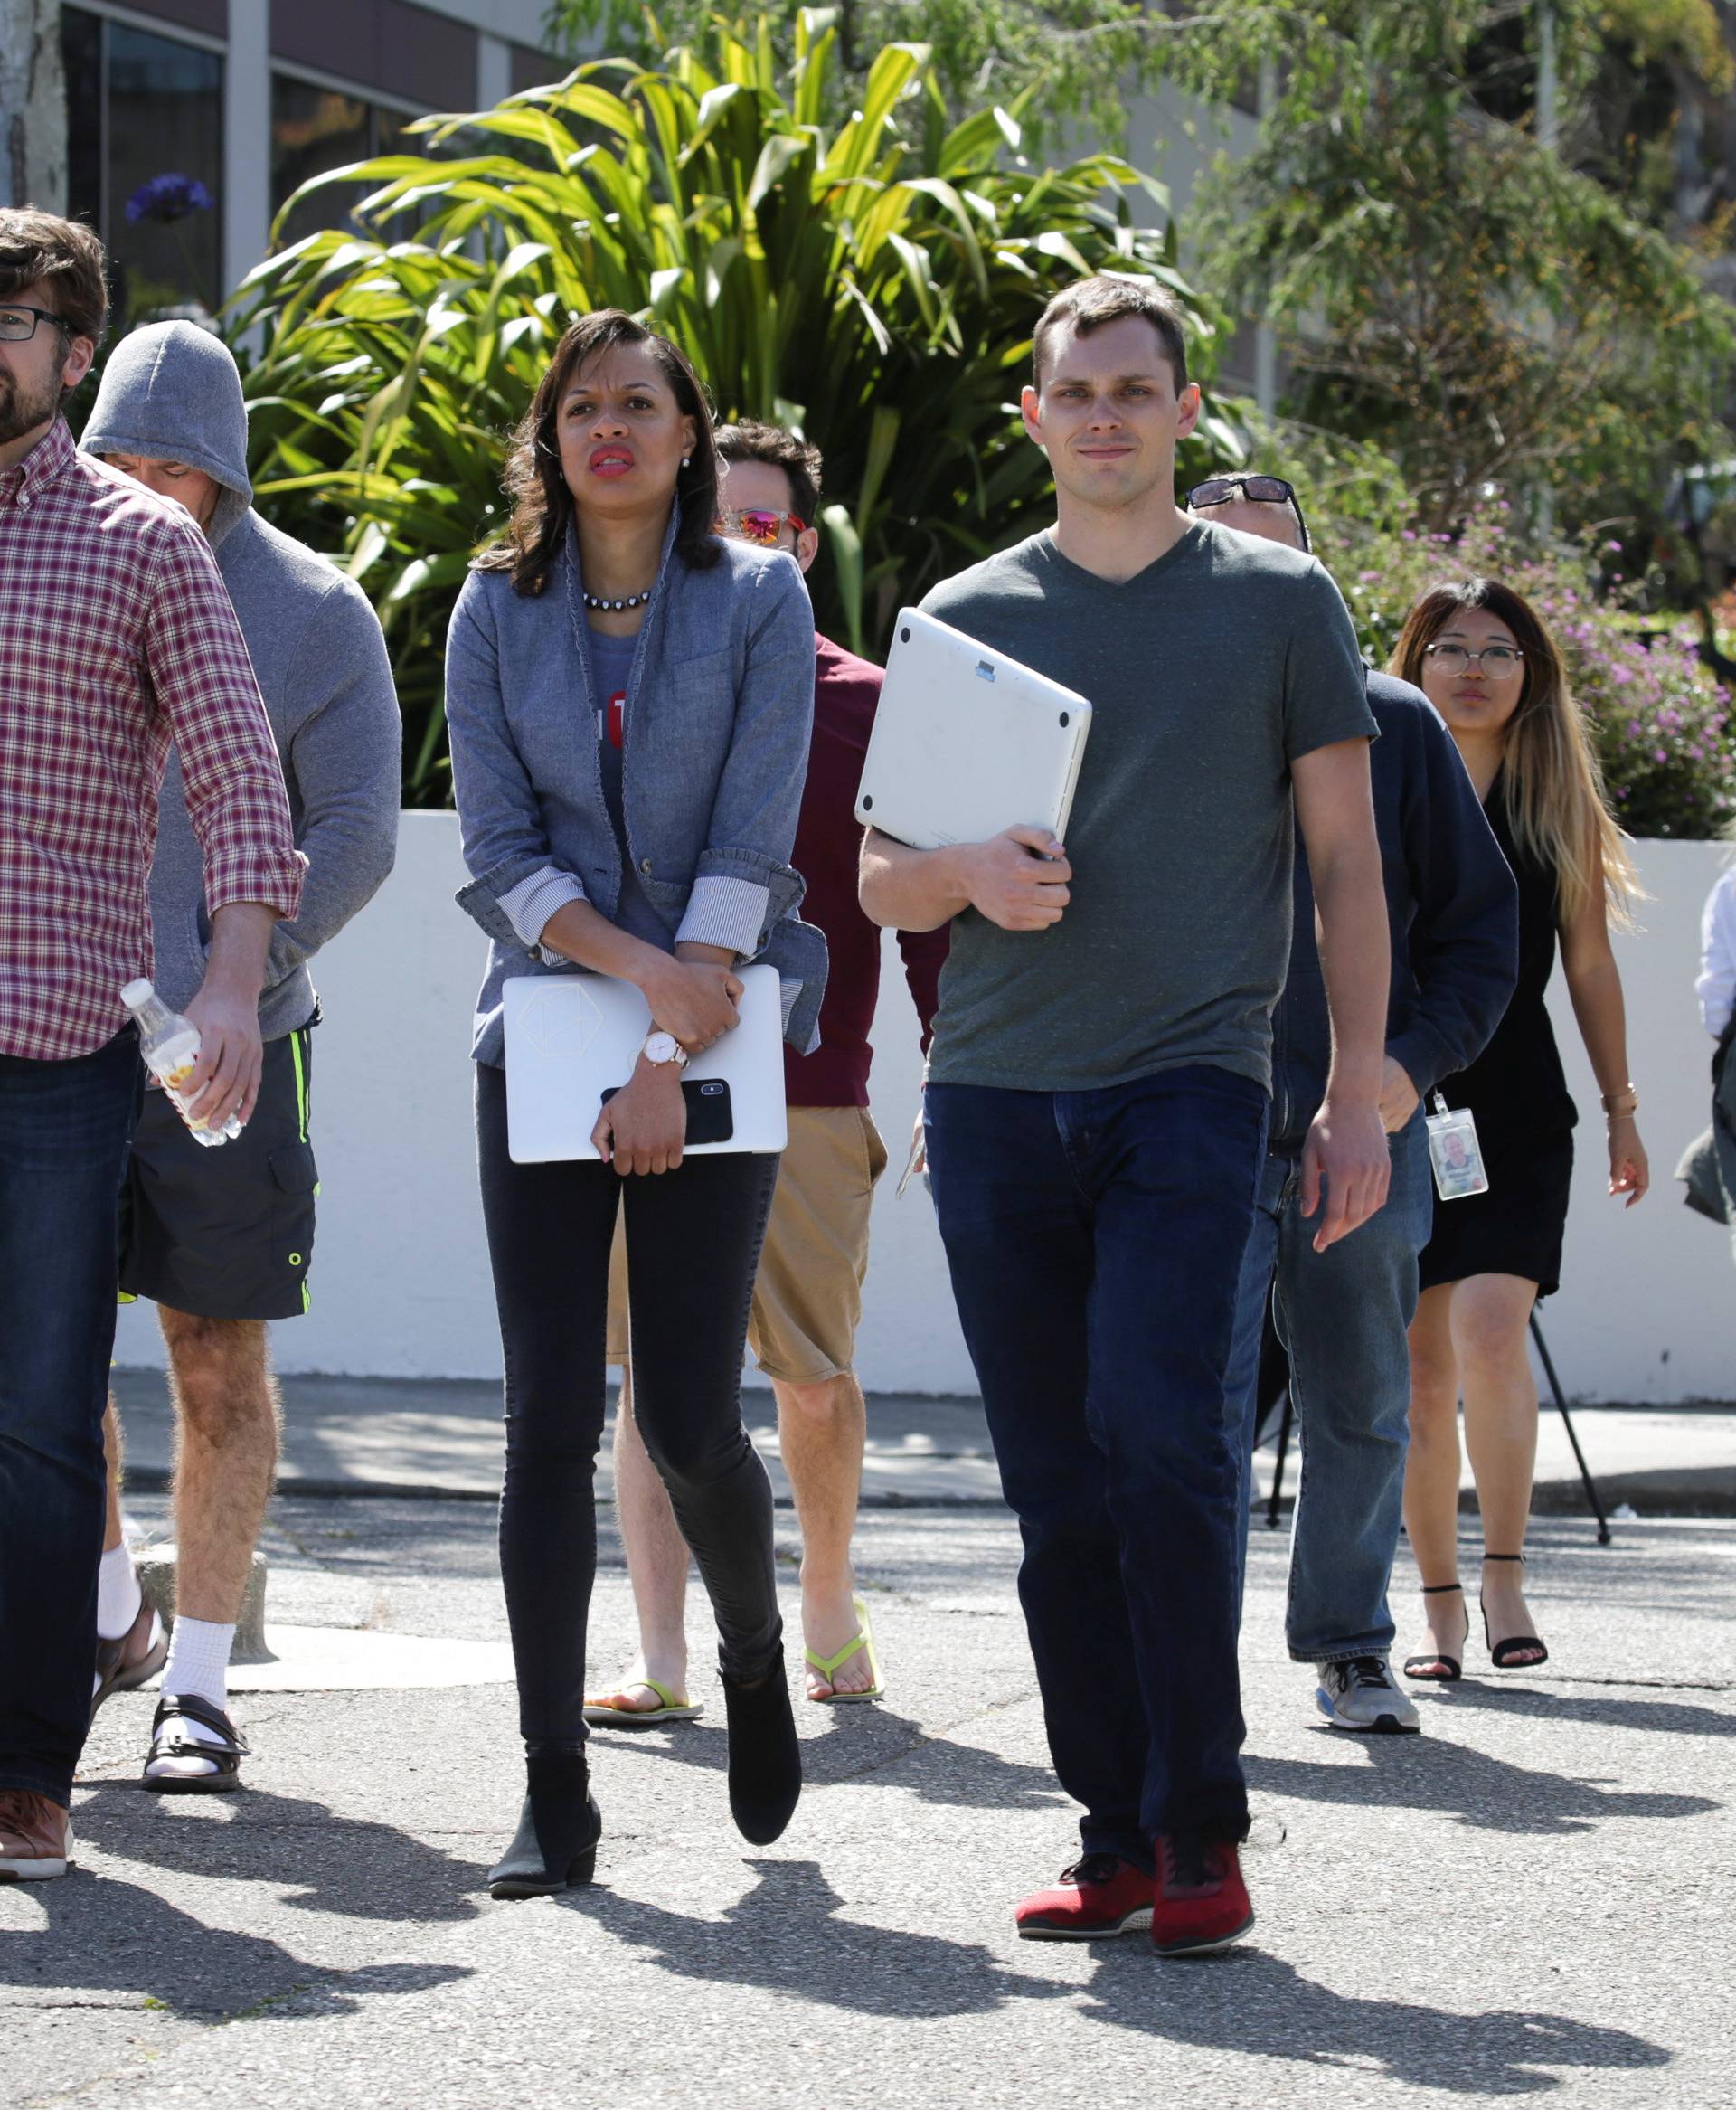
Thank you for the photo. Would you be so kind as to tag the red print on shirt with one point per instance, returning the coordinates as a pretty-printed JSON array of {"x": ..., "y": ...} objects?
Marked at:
[{"x": 617, "y": 719}]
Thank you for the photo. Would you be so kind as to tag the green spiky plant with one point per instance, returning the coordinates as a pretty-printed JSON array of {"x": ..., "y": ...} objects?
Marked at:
[{"x": 873, "y": 285}]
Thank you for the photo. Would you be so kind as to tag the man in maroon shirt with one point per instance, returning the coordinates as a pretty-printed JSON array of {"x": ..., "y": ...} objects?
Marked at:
[{"x": 807, "y": 1300}]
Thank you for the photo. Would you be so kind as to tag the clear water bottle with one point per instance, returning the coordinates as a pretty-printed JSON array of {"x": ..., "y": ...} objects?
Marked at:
[{"x": 170, "y": 1045}]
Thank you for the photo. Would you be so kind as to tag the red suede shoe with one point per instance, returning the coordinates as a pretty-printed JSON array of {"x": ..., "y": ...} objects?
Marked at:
[
  {"x": 1202, "y": 1902},
  {"x": 1096, "y": 1898}
]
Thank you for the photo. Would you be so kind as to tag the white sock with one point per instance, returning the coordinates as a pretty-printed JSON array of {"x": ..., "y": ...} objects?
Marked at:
[
  {"x": 198, "y": 1666},
  {"x": 118, "y": 1596}
]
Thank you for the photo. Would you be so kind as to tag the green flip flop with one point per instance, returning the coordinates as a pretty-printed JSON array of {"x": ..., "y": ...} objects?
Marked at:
[
  {"x": 602, "y": 1716},
  {"x": 828, "y": 1666}
]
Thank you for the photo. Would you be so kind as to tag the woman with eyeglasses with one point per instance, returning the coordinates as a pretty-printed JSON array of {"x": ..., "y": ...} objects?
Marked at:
[
  {"x": 1486, "y": 661},
  {"x": 630, "y": 699}
]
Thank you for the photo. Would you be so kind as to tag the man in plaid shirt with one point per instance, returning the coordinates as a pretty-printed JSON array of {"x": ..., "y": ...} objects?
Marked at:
[{"x": 116, "y": 639}]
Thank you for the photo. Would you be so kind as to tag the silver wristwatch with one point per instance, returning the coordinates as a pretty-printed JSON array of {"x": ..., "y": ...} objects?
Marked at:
[{"x": 663, "y": 1048}]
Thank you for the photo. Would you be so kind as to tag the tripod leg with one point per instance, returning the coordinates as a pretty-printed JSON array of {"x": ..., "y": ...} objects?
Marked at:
[
  {"x": 1278, "y": 1463},
  {"x": 1567, "y": 1422}
]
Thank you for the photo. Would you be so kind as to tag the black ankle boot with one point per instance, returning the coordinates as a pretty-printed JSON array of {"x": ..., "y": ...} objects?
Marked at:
[
  {"x": 765, "y": 1757},
  {"x": 555, "y": 1845}
]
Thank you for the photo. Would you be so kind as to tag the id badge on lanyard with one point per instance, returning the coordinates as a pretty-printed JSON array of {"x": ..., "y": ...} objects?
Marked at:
[{"x": 1455, "y": 1152}]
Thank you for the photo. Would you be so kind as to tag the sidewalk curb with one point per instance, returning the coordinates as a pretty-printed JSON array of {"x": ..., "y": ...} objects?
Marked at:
[{"x": 1708, "y": 1494}]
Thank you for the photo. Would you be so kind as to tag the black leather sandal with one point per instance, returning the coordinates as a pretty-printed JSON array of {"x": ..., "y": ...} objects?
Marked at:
[
  {"x": 1519, "y": 1652},
  {"x": 1435, "y": 1670},
  {"x": 226, "y": 1756}
]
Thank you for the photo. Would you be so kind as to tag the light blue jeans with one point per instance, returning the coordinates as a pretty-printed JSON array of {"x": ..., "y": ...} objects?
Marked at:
[{"x": 1342, "y": 1315}]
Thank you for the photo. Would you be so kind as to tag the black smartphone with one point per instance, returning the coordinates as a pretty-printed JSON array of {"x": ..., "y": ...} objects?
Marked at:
[{"x": 710, "y": 1118}]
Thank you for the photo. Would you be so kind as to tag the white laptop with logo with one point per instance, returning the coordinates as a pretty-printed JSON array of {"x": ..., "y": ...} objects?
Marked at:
[
  {"x": 571, "y": 1038},
  {"x": 967, "y": 742}
]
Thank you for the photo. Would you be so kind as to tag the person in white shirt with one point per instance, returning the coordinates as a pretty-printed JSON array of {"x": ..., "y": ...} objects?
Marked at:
[{"x": 1715, "y": 984}]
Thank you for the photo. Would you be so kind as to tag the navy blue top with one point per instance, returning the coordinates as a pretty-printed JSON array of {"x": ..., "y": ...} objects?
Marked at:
[
  {"x": 611, "y": 668},
  {"x": 1451, "y": 905}
]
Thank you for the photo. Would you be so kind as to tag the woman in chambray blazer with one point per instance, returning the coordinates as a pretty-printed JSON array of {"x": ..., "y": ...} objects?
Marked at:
[{"x": 630, "y": 698}]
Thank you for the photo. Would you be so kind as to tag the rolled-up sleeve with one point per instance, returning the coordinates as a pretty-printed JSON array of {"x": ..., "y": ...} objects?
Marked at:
[
  {"x": 512, "y": 873},
  {"x": 205, "y": 685},
  {"x": 743, "y": 881}
]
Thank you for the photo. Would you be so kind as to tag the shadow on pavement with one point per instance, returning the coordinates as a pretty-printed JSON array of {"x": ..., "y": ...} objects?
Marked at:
[
  {"x": 1248, "y": 2001},
  {"x": 856, "y": 1741},
  {"x": 1607, "y": 1710},
  {"x": 785, "y": 1936},
  {"x": 323, "y": 1862},
  {"x": 1489, "y": 1793},
  {"x": 104, "y": 1936}
]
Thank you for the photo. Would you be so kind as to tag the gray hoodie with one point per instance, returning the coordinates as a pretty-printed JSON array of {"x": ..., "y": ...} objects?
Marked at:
[{"x": 171, "y": 393}]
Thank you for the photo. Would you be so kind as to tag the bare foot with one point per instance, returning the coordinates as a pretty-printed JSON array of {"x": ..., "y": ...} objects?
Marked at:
[
  {"x": 829, "y": 1623},
  {"x": 636, "y": 1695},
  {"x": 1445, "y": 1628},
  {"x": 1504, "y": 1605}
]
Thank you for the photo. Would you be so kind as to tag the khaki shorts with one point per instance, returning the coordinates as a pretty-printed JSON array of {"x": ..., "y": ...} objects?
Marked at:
[{"x": 807, "y": 1300}]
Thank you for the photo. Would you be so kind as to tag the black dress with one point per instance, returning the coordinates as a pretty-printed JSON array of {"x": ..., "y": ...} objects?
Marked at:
[{"x": 1524, "y": 1117}]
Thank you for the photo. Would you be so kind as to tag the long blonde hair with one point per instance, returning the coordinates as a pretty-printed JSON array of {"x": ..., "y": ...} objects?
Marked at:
[{"x": 1551, "y": 782}]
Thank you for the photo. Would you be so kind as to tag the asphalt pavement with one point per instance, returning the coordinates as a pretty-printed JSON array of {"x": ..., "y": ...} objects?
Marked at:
[
  {"x": 442, "y": 1437},
  {"x": 1532, "y": 1898}
]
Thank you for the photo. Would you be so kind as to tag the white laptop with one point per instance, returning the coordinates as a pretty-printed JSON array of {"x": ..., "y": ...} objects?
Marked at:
[
  {"x": 571, "y": 1038},
  {"x": 967, "y": 742}
]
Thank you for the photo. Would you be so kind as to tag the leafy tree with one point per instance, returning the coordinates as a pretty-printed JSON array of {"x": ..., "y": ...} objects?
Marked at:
[
  {"x": 1445, "y": 284},
  {"x": 872, "y": 282}
]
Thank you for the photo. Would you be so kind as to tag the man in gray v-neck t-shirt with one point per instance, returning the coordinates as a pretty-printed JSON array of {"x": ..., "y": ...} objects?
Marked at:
[
  {"x": 1101, "y": 1086},
  {"x": 1208, "y": 674}
]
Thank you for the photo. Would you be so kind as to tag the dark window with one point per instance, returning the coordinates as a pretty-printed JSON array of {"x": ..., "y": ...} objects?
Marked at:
[
  {"x": 144, "y": 120},
  {"x": 313, "y": 130}
]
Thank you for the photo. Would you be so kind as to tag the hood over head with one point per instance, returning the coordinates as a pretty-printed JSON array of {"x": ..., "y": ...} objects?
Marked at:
[{"x": 172, "y": 392}]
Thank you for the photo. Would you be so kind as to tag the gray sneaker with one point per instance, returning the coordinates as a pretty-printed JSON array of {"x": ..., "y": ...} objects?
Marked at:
[{"x": 1361, "y": 1695}]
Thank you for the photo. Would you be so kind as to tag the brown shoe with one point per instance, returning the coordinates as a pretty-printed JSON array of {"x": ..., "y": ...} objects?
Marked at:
[
  {"x": 139, "y": 1655},
  {"x": 35, "y": 1837}
]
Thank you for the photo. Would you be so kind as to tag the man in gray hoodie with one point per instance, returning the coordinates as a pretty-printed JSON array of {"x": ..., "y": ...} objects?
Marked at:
[{"x": 220, "y": 1239}]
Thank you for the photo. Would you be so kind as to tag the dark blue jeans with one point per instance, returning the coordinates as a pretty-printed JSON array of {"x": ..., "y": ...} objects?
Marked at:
[
  {"x": 64, "y": 1131},
  {"x": 1095, "y": 1241}
]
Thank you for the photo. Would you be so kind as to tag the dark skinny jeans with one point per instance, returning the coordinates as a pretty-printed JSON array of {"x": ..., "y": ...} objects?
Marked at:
[
  {"x": 693, "y": 1238},
  {"x": 64, "y": 1131}
]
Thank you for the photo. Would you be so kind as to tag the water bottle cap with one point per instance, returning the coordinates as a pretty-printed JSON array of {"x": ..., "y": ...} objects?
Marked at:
[{"x": 137, "y": 993}]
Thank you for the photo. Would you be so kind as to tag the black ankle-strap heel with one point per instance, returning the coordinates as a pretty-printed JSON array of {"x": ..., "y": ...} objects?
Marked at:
[
  {"x": 556, "y": 1846},
  {"x": 1519, "y": 1652},
  {"x": 1435, "y": 1669}
]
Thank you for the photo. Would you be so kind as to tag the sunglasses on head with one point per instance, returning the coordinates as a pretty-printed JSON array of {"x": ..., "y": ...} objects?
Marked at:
[
  {"x": 753, "y": 524},
  {"x": 1262, "y": 490}
]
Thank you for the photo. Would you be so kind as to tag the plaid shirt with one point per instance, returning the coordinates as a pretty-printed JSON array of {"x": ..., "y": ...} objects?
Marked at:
[{"x": 116, "y": 637}]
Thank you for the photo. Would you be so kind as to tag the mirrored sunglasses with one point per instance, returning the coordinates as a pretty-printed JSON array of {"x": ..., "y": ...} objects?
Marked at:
[{"x": 751, "y": 524}]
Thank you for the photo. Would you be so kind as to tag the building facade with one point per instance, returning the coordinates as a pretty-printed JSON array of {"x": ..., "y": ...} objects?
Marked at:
[{"x": 245, "y": 101}]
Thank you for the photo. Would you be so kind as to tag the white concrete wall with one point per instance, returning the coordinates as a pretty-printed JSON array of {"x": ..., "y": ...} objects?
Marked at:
[{"x": 401, "y": 1277}]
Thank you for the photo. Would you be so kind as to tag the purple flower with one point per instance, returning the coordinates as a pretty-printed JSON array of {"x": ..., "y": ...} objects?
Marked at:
[{"x": 168, "y": 197}]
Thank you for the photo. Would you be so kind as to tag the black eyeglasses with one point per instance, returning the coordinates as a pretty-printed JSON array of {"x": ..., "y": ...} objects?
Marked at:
[
  {"x": 18, "y": 322},
  {"x": 1262, "y": 490}
]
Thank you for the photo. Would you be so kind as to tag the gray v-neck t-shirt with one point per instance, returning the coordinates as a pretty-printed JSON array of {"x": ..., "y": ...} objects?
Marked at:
[{"x": 1208, "y": 674}]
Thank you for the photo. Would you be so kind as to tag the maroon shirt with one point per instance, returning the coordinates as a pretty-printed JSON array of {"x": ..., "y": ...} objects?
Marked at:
[{"x": 828, "y": 836}]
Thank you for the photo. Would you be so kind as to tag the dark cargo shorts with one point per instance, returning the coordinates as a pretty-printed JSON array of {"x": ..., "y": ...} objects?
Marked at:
[{"x": 225, "y": 1233}]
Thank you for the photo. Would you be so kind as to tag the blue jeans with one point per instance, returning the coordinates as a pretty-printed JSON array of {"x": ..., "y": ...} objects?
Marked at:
[
  {"x": 1342, "y": 1315},
  {"x": 1095, "y": 1243},
  {"x": 64, "y": 1131}
]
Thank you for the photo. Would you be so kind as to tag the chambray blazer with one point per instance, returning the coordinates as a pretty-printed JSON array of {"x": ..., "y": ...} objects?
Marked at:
[{"x": 713, "y": 761}]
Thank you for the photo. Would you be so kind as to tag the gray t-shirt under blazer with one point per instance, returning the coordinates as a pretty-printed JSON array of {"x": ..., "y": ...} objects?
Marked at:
[{"x": 1208, "y": 674}]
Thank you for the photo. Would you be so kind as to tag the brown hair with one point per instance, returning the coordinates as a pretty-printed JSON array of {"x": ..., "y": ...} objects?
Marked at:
[
  {"x": 1552, "y": 786},
  {"x": 801, "y": 463},
  {"x": 38, "y": 249},
  {"x": 542, "y": 502},
  {"x": 1091, "y": 303}
]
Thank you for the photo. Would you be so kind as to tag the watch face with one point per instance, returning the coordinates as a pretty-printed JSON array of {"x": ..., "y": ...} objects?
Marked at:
[{"x": 661, "y": 1048}]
